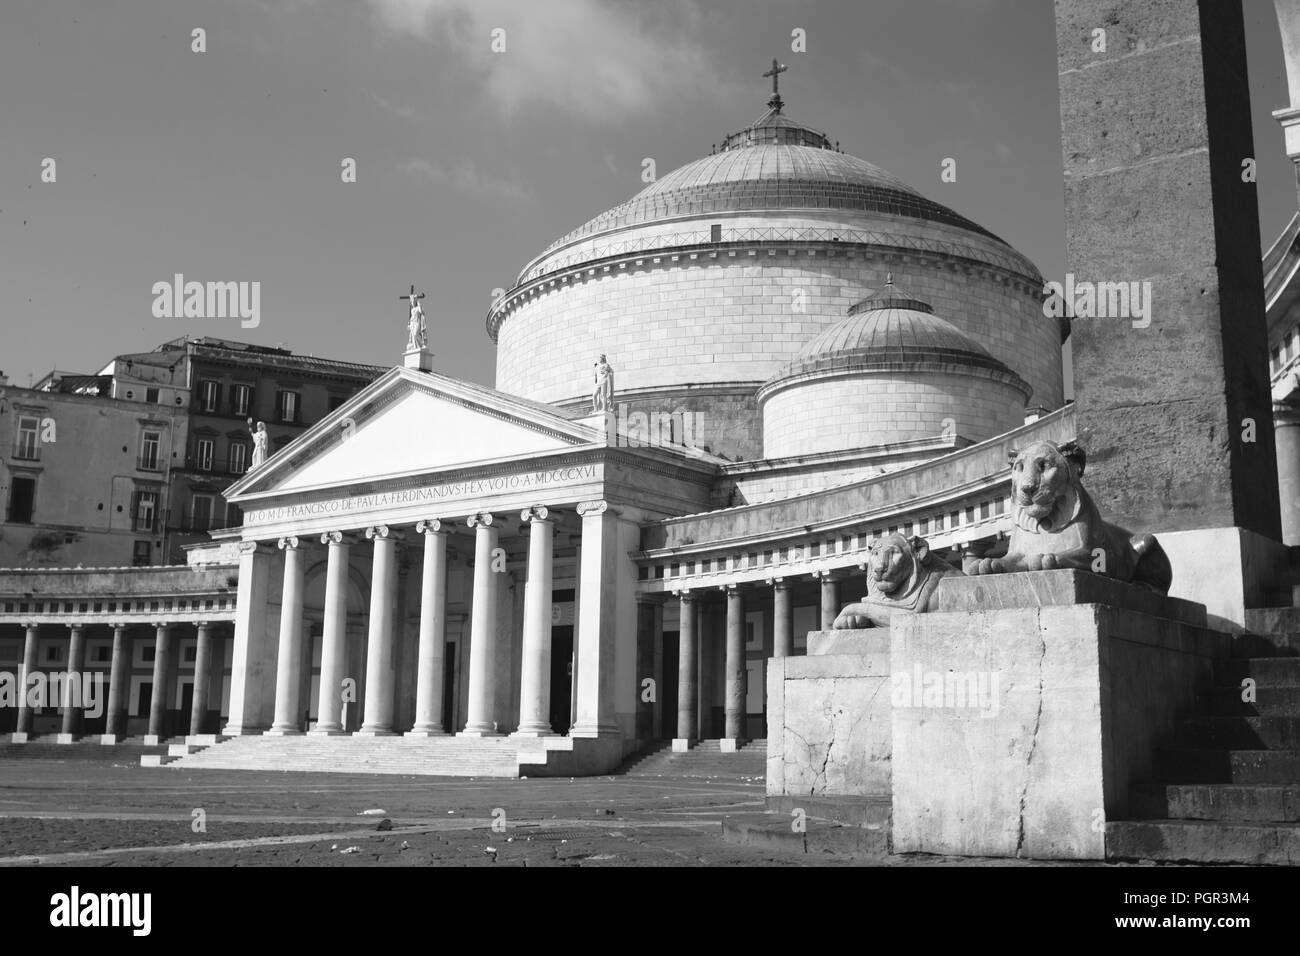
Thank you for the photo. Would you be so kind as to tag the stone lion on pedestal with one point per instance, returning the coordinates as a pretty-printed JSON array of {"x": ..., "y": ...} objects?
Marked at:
[
  {"x": 901, "y": 577},
  {"x": 1058, "y": 526}
]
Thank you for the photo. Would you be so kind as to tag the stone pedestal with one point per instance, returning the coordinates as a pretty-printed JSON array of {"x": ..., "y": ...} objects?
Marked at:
[
  {"x": 1021, "y": 716},
  {"x": 420, "y": 360}
]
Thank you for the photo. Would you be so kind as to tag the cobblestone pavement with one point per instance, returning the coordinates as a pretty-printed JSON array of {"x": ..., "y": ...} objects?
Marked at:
[{"x": 94, "y": 813}]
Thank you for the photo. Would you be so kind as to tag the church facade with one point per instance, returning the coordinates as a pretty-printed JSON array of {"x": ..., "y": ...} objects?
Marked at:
[{"x": 796, "y": 353}]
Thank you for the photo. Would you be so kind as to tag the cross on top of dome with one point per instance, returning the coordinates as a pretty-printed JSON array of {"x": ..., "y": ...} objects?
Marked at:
[
  {"x": 778, "y": 68},
  {"x": 774, "y": 127}
]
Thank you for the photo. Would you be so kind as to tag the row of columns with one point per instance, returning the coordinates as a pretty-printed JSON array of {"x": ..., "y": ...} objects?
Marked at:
[
  {"x": 73, "y": 705},
  {"x": 688, "y": 649},
  {"x": 595, "y": 640}
]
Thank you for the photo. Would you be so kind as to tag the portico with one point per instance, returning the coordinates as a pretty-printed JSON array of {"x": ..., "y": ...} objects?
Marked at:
[{"x": 476, "y": 586}]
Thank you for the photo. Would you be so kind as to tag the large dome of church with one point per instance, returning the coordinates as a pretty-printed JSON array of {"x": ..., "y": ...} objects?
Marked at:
[{"x": 705, "y": 283}]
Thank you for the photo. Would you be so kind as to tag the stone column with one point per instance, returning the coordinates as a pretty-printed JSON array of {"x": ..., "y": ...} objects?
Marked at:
[
  {"x": 1286, "y": 422},
  {"x": 250, "y": 656},
  {"x": 782, "y": 618},
  {"x": 22, "y": 733},
  {"x": 734, "y": 733},
  {"x": 118, "y": 687},
  {"x": 162, "y": 655},
  {"x": 329, "y": 710},
  {"x": 646, "y": 624},
  {"x": 202, "y": 678},
  {"x": 430, "y": 670},
  {"x": 688, "y": 664},
  {"x": 288, "y": 674},
  {"x": 481, "y": 716},
  {"x": 535, "y": 682},
  {"x": 830, "y": 606},
  {"x": 380, "y": 677},
  {"x": 596, "y": 621},
  {"x": 74, "y": 686}
]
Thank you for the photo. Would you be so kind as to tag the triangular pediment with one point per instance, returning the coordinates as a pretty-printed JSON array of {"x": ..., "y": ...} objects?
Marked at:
[{"x": 409, "y": 423}]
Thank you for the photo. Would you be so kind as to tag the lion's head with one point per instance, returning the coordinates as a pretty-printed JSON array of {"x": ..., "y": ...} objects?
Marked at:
[
  {"x": 894, "y": 564},
  {"x": 1045, "y": 490}
]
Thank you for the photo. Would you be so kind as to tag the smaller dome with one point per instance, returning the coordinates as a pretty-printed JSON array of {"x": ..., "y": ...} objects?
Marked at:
[{"x": 888, "y": 331}]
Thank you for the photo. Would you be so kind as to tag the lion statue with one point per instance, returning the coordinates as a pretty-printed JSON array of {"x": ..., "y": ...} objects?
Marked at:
[
  {"x": 901, "y": 577},
  {"x": 1058, "y": 526}
]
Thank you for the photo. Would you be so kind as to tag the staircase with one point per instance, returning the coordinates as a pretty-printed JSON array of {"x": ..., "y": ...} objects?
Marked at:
[
  {"x": 1228, "y": 787},
  {"x": 705, "y": 759},
  {"x": 416, "y": 756}
]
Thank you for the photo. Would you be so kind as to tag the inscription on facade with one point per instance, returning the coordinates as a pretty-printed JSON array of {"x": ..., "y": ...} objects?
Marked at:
[{"x": 430, "y": 493}]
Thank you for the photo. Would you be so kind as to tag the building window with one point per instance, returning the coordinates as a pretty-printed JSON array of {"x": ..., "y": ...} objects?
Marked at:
[
  {"x": 201, "y": 515},
  {"x": 141, "y": 553},
  {"x": 146, "y": 510},
  {"x": 27, "y": 443},
  {"x": 209, "y": 396},
  {"x": 241, "y": 399},
  {"x": 150, "y": 445},
  {"x": 237, "y": 458},
  {"x": 104, "y": 653},
  {"x": 234, "y": 517},
  {"x": 151, "y": 395},
  {"x": 147, "y": 653},
  {"x": 286, "y": 405},
  {"x": 22, "y": 499},
  {"x": 53, "y": 654},
  {"x": 203, "y": 454},
  {"x": 191, "y": 654}
]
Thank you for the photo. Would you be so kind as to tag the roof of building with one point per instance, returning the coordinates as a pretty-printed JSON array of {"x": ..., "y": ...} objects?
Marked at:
[
  {"x": 774, "y": 163},
  {"x": 268, "y": 355},
  {"x": 891, "y": 328}
]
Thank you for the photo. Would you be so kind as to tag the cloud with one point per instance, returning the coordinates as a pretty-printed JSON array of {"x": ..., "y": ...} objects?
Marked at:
[
  {"x": 465, "y": 177},
  {"x": 600, "y": 60},
  {"x": 395, "y": 109}
]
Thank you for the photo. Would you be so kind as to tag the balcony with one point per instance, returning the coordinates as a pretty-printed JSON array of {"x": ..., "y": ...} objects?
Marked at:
[
  {"x": 213, "y": 467},
  {"x": 154, "y": 462},
  {"x": 191, "y": 522}
]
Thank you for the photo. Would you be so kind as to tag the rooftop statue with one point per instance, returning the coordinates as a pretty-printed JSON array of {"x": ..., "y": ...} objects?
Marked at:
[
  {"x": 416, "y": 331},
  {"x": 602, "y": 393},
  {"x": 1058, "y": 526},
  {"x": 901, "y": 577},
  {"x": 261, "y": 443}
]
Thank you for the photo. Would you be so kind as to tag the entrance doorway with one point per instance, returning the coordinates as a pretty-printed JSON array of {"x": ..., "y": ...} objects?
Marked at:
[
  {"x": 561, "y": 677},
  {"x": 668, "y": 692}
]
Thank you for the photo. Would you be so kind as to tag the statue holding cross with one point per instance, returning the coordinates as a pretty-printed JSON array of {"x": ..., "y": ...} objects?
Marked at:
[{"x": 417, "y": 336}]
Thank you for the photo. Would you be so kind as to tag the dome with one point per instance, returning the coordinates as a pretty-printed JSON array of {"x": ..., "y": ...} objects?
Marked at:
[
  {"x": 773, "y": 164},
  {"x": 886, "y": 331}
]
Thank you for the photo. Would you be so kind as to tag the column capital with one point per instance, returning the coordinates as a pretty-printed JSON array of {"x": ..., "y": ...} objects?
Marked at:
[
  {"x": 383, "y": 531},
  {"x": 598, "y": 507},
  {"x": 829, "y": 574},
  {"x": 535, "y": 513},
  {"x": 289, "y": 542},
  {"x": 29, "y": 625},
  {"x": 686, "y": 594},
  {"x": 163, "y": 625},
  {"x": 480, "y": 519},
  {"x": 780, "y": 583},
  {"x": 77, "y": 626},
  {"x": 202, "y": 625},
  {"x": 431, "y": 526},
  {"x": 253, "y": 547},
  {"x": 338, "y": 537},
  {"x": 731, "y": 588}
]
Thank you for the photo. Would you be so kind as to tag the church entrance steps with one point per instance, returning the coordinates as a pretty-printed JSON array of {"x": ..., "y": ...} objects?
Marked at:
[
  {"x": 1227, "y": 787},
  {"x": 705, "y": 759},
  {"x": 86, "y": 748},
  {"x": 449, "y": 756}
]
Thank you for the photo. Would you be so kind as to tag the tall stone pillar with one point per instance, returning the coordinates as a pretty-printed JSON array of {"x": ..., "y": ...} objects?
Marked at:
[
  {"x": 251, "y": 657},
  {"x": 1172, "y": 400},
  {"x": 481, "y": 712},
  {"x": 596, "y": 621},
  {"x": 535, "y": 682},
  {"x": 1286, "y": 422},
  {"x": 74, "y": 700},
  {"x": 161, "y": 699},
  {"x": 288, "y": 666},
  {"x": 430, "y": 668},
  {"x": 782, "y": 618},
  {"x": 688, "y": 669},
  {"x": 333, "y": 658},
  {"x": 734, "y": 731},
  {"x": 648, "y": 624},
  {"x": 118, "y": 687},
  {"x": 380, "y": 677},
  {"x": 23, "y": 731},
  {"x": 830, "y": 603},
  {"x": 202, "y": 678}
]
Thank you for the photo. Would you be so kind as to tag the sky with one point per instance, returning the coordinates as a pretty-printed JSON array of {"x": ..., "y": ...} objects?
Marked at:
[{"x": 227, "y": 164}]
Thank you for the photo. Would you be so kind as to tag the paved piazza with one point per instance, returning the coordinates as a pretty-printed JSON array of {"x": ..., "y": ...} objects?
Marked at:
[{"x": 91, "y": 813}]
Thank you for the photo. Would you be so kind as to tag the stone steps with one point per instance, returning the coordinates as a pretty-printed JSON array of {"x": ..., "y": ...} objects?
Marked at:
[
  {"x": 703, "y": 760},
  {"x": 1241, "y": 733},
  {"x": 1265, "y": 671},
  {"x": 87, "y": 748},
  {"x": 1228, "y": 802},
  {"x": 1204, "y": 841},
  {"x": 1268, "y": 702},
  {"x": 425, "y": 756}
]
